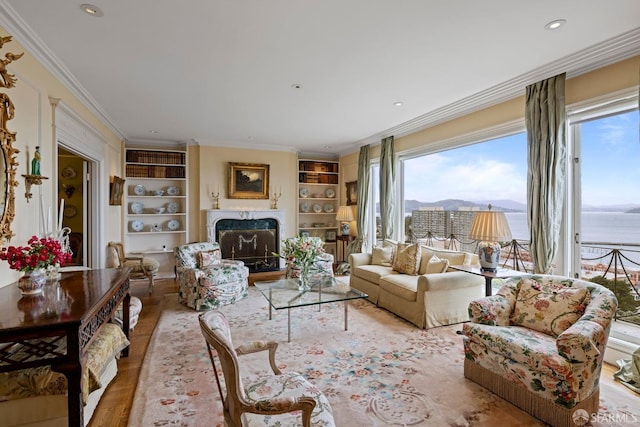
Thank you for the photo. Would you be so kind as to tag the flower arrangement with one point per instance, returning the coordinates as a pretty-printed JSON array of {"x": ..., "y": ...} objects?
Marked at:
[
  {"x": 40, "y": 253},
  {"x": 302, "y": 252}
]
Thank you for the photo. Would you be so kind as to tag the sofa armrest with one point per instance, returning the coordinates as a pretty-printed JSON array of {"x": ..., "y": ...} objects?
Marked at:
[
  {"x": 582, "y": 342},
  {"x": 358, "y": 259},
  {"x": 493, "y": 310}
]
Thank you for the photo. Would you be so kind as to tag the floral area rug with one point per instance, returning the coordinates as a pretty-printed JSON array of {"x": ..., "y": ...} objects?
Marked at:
[{"x": 383, "y": 371}]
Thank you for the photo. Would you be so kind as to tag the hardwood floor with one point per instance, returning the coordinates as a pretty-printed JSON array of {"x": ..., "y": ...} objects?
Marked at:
[{"x": 115, "y": 405}]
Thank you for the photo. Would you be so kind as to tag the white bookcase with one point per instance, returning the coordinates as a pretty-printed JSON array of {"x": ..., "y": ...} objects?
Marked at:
[
  {"x": 156, "y": 219},
  {"x": 318, "y": 200}
]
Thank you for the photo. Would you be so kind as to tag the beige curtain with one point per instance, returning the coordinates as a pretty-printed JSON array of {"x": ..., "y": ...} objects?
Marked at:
[
  {"x": 364, "y": 171},
  {"x": 387, "y": 179},
  {"x": 545, "y": 118}
]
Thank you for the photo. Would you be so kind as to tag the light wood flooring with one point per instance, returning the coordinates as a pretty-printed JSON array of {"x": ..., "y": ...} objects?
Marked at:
[{"x": 115, "y": 405}]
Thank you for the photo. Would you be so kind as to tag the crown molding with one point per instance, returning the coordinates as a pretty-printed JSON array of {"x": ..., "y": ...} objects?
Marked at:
[
  {"x": 608, "y": 52},
  {"x": 22, "y": 33}
]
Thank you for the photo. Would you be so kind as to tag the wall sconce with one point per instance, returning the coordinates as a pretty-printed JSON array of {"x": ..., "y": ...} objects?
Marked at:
[{"x": 30, "y": 180}]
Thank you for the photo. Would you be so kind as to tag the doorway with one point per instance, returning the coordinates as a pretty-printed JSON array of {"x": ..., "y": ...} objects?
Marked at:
[{"x": 73, "y": 189}]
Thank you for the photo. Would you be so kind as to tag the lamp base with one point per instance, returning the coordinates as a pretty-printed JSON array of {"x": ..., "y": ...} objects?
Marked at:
[
  {"x": 490, "y": 270},
  {"x": 489, "y": 255},
  {"x": 344, "y": 228}
]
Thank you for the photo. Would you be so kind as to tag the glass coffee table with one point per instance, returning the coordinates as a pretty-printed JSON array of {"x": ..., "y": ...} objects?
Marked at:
[{"x": 284, "y": 293}]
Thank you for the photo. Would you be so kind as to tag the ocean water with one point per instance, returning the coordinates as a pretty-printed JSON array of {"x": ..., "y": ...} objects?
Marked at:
[{"x": 598, "y": 229}]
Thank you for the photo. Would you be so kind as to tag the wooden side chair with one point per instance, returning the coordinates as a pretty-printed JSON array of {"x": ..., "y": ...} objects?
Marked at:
[
  {"x": 281, "y": 399},
  {"x": 141, "y": 267}
]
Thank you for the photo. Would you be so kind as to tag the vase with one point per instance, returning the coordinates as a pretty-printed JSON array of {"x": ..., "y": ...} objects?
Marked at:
[
  {"x": 304, "y": 281},
  {"x": 33, "y": 282}
]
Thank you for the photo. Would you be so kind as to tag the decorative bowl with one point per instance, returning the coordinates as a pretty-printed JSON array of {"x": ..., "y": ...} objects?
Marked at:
[
  {"x": 158, "y": 192},
  {"x": 159, "y": 210}
]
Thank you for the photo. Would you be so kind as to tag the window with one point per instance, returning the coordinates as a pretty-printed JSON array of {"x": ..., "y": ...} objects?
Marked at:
[{"x": 606, "y": 219}]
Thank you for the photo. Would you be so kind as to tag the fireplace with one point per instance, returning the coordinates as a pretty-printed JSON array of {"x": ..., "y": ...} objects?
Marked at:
[{"x": 248, "y": 236}]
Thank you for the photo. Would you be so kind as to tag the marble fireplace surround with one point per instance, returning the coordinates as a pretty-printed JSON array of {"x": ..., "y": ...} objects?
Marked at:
[{"x": 215, "y": 215}]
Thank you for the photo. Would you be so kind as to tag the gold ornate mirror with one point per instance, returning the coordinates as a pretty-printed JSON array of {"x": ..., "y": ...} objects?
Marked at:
[{"x": 8, "y": 162}]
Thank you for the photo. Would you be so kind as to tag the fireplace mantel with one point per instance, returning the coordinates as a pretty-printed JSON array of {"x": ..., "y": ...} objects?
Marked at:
[{"x": 215, "y": 215}]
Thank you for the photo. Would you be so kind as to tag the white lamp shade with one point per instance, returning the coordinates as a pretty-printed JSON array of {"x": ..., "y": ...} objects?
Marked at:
[
  {"x": 344, "y": 214},
  {"x": 490, "y": 226}
]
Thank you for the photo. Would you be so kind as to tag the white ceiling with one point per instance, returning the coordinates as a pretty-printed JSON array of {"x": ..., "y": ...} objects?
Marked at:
[{"x": 220, "y": 72}]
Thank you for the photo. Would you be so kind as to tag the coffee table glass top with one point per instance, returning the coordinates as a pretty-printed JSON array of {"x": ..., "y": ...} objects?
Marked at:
[{"x": 284, "y": 293}]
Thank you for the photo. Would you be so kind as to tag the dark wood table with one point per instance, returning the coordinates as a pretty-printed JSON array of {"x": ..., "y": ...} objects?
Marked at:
[
  {"x": 55, "y": 328},
  {"x": 501, "y": 273}
]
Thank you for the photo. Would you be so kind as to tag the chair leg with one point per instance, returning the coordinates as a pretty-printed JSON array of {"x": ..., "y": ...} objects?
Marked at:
[{"x": 151, "y": 284}]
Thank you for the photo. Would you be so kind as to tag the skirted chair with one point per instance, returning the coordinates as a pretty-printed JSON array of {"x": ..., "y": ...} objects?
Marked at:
[
  {"x": 281, "y": 399},
  {"x": 205, "y": 281},
  {"x": 141, "y": 267},
  {"x": 539, "y": 343}
]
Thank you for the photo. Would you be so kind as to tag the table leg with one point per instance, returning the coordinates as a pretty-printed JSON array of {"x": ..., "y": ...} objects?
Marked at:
[
  {"x": 288, "y": 325},
  {"x": 346, "y": 315},
  {"x": 487, "y": 286},
  {"x": 269, "y": 304}
]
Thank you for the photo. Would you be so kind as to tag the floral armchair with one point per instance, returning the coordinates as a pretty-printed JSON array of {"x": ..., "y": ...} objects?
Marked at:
[
  {"x": 539, "y": 344},
  {"x": 205, "y": 281}
]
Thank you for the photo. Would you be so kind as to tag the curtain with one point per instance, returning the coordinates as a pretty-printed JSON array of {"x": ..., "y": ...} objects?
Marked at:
[
  {"x": 364, "y": 170},
  {"x": 387, "y": 179},
  {"x": 545, "y": 118}
]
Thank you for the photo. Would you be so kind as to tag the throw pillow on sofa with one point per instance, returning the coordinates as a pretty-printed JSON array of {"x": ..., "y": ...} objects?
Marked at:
[
  {"x": 382, "y": 256},
  {"x": 435, "y": 265},
  {"x": 548, "y": 308},
  {"x": 407, "y": 259}
]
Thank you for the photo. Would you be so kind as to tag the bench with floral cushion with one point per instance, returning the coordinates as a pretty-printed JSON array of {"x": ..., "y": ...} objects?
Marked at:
[
  {"x": 205, "y": 281},
  {"x": 539, "y": 344}
]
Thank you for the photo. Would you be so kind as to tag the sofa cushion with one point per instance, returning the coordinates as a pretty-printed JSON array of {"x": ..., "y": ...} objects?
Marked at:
[
  {"x": 454, "y": 257},
  {"x": 548, "y": 308},
  {"x": 372, "y": 273},
  {"x": 401, "y": 285},
  {"x": 208, "y": 258},
  {"x": 433, "y": 265},
  {"x": 407, "y": 259},
  {"x": 382, "y": 256}
]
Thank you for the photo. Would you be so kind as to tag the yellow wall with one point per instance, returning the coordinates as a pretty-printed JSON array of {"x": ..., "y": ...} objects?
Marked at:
[
  {"x": 33, "y": 126},
  {"x": 212, "y": 163}
]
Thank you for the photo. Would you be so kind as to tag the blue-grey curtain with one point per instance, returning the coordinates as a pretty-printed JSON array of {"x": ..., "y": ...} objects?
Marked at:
[
  {"x": 364, "y": 170},
  {"x": 545, "y": 117},
  {"x": 387, "y": 180}
]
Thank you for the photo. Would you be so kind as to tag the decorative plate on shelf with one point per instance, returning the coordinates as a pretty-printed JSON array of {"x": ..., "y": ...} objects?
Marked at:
[
  {"x": 68, "y": 172},
  {"x": 173, "y": 224},
  {"x": 139, "y": 190},
  {"x": 173, "y": 207},
  {"x": 304, "y": 207},
  {"x": 328, "y": 208},
  {"x": 173, "y": 190},
  {"x": 137, "y": 225},
  {"x": 304, "y": 193},
  {"x": 330, "y": 193},
  {"x": 137, "y": 207},
  {"x": 317, "y": 208},
  {"x": 70, "y": 211}
]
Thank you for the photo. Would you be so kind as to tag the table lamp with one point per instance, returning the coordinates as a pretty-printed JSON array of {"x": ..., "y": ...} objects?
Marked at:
[
  {"x": 344, "y": 216},
  {"x": 489, "y": 228}
]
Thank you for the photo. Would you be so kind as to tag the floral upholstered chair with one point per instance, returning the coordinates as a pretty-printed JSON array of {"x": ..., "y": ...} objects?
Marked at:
[
  {"x": 281, "y": 399},
  {"x": 205, "y": 281},
  {"x": 539, "y": 344}
]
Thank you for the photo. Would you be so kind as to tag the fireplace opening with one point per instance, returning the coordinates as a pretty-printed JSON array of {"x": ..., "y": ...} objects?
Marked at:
[{"x": 252, "y": 241}]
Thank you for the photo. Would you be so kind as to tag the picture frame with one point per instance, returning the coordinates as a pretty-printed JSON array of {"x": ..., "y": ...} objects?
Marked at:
[
  {"x": 330, "y": 236},
  {"x": 352, "y": 193},
  {"x": 116, "y": 190},
  {"x": 248, "y": 181}
]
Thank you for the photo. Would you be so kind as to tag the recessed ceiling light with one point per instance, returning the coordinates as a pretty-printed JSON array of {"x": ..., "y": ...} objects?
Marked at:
[
  {"x": 296, "y": 86},
  {"x": 250, "y": 137},
  {"x": 153, "y": 131},
  {"x": 326, "y": 147},
  {"x": 92, "y": 10},
  {"x": 398, "y": 104},
  {"x": 555, "y": 24}
]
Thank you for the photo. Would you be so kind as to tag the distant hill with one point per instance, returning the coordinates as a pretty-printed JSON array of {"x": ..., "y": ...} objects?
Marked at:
[{"x": 455, "y": 204}]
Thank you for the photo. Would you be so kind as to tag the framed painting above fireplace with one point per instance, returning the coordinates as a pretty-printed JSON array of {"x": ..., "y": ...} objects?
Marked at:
[{"x": 248, "y": 181}]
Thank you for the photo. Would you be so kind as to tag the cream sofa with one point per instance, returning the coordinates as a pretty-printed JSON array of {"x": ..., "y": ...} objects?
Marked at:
[{"x": 426, "y": 299}]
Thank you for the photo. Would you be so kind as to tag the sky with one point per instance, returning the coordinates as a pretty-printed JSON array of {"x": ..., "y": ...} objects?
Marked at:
[{"x": 497, "y": 169}]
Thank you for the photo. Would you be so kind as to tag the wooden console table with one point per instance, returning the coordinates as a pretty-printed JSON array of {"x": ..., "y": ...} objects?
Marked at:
[{"x": 35, "y": 332}]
